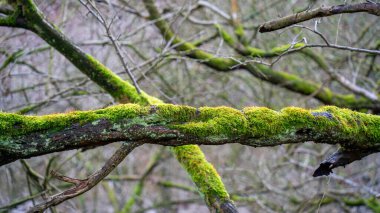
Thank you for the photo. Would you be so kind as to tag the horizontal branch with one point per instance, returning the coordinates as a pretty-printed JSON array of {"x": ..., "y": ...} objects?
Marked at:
[
  {"x": 323, "y": 11},
  {"x": 175, "y": 125}
]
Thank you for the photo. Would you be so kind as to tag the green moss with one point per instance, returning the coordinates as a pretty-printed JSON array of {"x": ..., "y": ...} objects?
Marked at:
[
  {"x": 220, "y": 64},
  {"x": 372, "y": 203},
  {"x": 11, "y": 20},
  {"x": 191, "y": 157},
  {"x": 220, "y": 122},
  {"x": 239, "y": 31},
  {"x": 226, "y": 37},
  {"x": 281, "y": 49},
  {"x": 202, "y": 173},
  {"x": 345, "y": 123},
  {"x": 114, "y": 85},
  {"x": 119, "y": 89},
  {"x": 364, "y": 127},
  {"x": 287, "y": 80},
  {"x": 176, "y": 113},
  {"x": 217, "y": 123},
  {"x": 14, "y": 124},
  {"x": 265, "y": 122},
  {"x": 299, "y": 85},
  {"x": 255, "y": 52}
]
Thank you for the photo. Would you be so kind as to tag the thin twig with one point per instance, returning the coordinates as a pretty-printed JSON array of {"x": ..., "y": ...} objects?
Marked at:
[
  {"x": 107, "y": 26},
  {"x": 84, "y": 185}
]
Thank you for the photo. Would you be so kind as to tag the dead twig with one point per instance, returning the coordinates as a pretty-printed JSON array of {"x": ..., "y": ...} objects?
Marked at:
[{"x": 84, "y": 185}]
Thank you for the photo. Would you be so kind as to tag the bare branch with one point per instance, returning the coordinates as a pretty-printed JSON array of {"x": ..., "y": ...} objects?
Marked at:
[
  {"x": 214, "y": 8},
  {"x": 107, "y": 26},
  {"x": 82, "y": 186},
  {"x": 323, "y": 11}
]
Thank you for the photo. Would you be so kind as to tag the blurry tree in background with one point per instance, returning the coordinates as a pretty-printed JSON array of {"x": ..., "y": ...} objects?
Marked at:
[{"x": 64, "y": 56}]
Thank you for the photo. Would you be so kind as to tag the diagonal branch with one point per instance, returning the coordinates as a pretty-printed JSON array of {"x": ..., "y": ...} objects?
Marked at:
[{"x": 82, "y": 186}]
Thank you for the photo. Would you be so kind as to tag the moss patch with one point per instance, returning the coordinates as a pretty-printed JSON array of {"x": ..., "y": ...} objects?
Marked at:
[
  {"x": 203, "y": 173},
  {"x": 15, "y": 124},
  {"x": 216, "y": 122}
]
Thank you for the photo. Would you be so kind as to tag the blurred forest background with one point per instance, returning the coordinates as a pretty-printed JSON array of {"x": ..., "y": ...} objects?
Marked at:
[{"x": 36, "y": 79}]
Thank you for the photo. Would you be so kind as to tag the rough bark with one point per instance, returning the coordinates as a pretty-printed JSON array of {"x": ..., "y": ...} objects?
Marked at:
[
  {"x": 323, "y": 11},
  {"x": 175, "y": 125}
]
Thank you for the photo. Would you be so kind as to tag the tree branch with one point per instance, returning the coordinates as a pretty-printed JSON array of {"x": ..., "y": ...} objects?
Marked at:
[
  {"x": 340, "y": 158},
  {"x": 82, "y": 186},
  {"x": 323, "y": 11},
  {"x": 174, "y": 125}
]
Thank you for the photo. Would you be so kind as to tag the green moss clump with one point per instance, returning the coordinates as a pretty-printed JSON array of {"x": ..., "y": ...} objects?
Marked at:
[
  {"x": 176, "y": 113},
  {"x": 372, "y": 203},
  {"x": 226, "y": 37},
  {"x": 121, "y": 111},
  {"x": 265, "y": 122},
  {"x": 255, "y": 52},
  {"x": 216, "y": 122},
  {"x": 364, "y": 127},
  {"x": 344, "y": 124},
  {"x": 202, "y": 173},
  {"x": 281, "y": 49},
  {"x": 14, "y": 124},
  {"x": 293, "y": 82},
  {"x": 220, "y": 64},
  {"x": 239, "y": 31},
  {"x": 261, "y": 121},
  {"x": 113, "y": 84}
]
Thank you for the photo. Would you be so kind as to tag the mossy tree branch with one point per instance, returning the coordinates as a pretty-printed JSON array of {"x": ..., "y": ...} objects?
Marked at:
[
  {"x": 297, "y": 84},
  {"x": 175, "y": 125},
  {"x": 29, "y": 17}
]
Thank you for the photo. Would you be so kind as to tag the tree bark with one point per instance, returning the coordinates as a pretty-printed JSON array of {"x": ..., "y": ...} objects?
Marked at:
[
  {"x": 175, "y": 125},
  {"x": 323, "y": 11}
]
